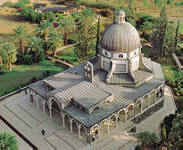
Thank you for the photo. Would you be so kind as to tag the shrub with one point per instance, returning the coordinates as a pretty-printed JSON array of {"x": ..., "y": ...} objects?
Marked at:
[
  {"x": 19, "y": 5},
  {"x": 8, "y": 4},
  {"x": 24, "y": 1},
  {"x": 98, "y": 5},
  {"x": 106, "y": 12},
  {"x": 179, "y": 3},
  {"x": 138, "y": 147}
]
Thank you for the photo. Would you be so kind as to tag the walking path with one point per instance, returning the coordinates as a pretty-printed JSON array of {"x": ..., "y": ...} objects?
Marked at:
[
  {"x": 30, "y": 121},
  {"x": 60, "y": 61}
]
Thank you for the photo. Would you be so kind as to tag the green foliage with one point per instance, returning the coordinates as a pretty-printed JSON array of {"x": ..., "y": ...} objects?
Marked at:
[
  {"x": 106, "y": 12},
  {"x": 9, "y": 55},
  {"x": 8, "y": 141},
  {"x": 66, "y": 27},
  {"x": 138, "y": 147},
  {"x": 159, "y": 35},
  {"x": 176, "y": 134},
  {"x": 24, "y": 74},
  {"x": 147, "y": 139},
  {"x": 179, "y": 3},
  {"x": 86, "y": 30},
  {"x": 35, "y": 47},
  {"x": 8, "y": 4},
  {"x": 24, "y": 1},
  {"x": 99, "y": 5},
  {"x": 50, "y": 16},
  {"x": 20, "y": 38},
  {"x": 30, "y": 15},
  {"x": 54, "y": 41},
  {"x": 19, "y": 5}
]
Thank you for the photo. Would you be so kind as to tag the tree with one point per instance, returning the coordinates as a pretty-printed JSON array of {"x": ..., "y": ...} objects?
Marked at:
[
  {"x": 43, "y": 29},
  {"x": 86, "y": 26},
  {"x": 35, "y": 46},
  {"x": 176, "y": 134},
  {"x": 66, "y": 27},
  {"x": 9, "y": 55},
  {"x": 130, "y": 3},
  {"x": 54, "y": 41},
  {"x": 98, "y": 35},
  {"x": 146, "y": 138},
  {"x": 20, "y": 38},
  {"x": 1, "y": 53},
  {"x": 159, "y": 35},
  {"x": 177, "y": 34},
  {"x": 8, "y": 142}
]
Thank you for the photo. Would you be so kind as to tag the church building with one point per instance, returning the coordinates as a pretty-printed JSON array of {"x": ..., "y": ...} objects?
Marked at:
[{"x": 119, "y": 87}]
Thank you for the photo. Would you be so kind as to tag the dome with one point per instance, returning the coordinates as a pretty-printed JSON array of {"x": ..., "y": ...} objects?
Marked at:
[{"x": 120, "y": 36}]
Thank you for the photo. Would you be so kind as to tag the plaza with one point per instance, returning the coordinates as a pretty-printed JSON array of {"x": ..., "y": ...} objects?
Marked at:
[{"x": 29, "y": 120}]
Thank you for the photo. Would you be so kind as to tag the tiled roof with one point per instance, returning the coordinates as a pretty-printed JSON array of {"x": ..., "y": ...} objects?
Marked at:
[{"x": 71, "y": 84}]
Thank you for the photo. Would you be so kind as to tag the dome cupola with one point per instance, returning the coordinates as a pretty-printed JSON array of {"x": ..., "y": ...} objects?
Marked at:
[{"x": 120, "y": 36}]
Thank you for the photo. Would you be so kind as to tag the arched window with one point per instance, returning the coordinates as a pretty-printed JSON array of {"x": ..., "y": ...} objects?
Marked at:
[{"x": 120, "y": 55}]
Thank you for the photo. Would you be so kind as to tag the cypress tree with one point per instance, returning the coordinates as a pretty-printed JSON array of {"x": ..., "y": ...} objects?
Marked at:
[
  {"x": 176, "y": 34},
  {"x": 98, "y": 35}
]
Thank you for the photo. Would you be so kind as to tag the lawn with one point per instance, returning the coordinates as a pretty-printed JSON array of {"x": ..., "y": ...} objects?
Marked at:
[
  {"x": 68, "y": 55},
  {"x": 9, "y": 20},
  {"x": 22, "y": 74}
]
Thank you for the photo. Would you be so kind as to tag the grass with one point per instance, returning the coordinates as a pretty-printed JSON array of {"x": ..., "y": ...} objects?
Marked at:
[
  {"x": 174, "y": 12},
  {"x": 9, "y": 20},
  {"x": 68, "y": 55},
  {"x": 22, "y": 74}
]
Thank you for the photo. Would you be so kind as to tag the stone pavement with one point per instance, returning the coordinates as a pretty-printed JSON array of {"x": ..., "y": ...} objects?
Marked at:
[{"x": 29, "y": 120}]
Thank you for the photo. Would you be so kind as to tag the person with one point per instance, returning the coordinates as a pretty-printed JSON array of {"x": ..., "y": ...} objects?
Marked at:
[{"x": 43, "y": 132}]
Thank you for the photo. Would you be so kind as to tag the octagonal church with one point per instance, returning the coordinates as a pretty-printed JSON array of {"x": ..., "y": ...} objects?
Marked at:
[{"x": 119, "y": 88}]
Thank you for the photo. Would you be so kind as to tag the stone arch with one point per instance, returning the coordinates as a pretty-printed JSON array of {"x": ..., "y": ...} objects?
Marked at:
[
  {"x": 95, "y": 131},
  {"x": 74, "y": 126},
  {"x": 152, "y": 98},
  {"x": 55, "y": 108},
  {"x": 67, "y": 121},
  {"x": 104, "y": 126},
  {"x": 112, "y": 120},
  {"x": 122, "y": 115},
  {"x": 83, "y": 132},
  {"x": 145, "y": 102},
  {"x": 130, "y": 111},
  {"x": 138, "y": 106}
]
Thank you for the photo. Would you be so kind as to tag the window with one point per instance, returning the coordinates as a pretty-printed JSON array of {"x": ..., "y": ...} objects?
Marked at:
[
  {"x": 120, "y": 55},
  {"x": 105, "y": 53}
]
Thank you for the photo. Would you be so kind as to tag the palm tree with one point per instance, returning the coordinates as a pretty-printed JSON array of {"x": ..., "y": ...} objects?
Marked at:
[
  {"x": 8, "y": 142},
  {"x": 35, "y": 46},
  {"x": 9, "y": 54},
  {"x": 20, "y": 37},
  {"x": 66, "y": 27},
  {"x": 43, "y": 29},
  {"x": 54, "y": 42}
]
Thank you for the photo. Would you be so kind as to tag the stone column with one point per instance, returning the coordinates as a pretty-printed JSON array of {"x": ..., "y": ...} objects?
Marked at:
[
  {"x": 108, "y": 129},
  {"x": 70, "y": 120},
  {"x": 63, "y": 119},
  {"x": 79, "y": 134},
  {"x": 43, "y": 102},
  {"x": 116, "y": 120},
  {"x": 37, "y": 101},
  {"x": 141, "y": 109},
  {"x": 50, "y": 109}
]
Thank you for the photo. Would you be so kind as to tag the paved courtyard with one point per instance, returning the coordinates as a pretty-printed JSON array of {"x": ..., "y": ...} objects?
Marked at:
[{"x": 29, "y": 120}]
